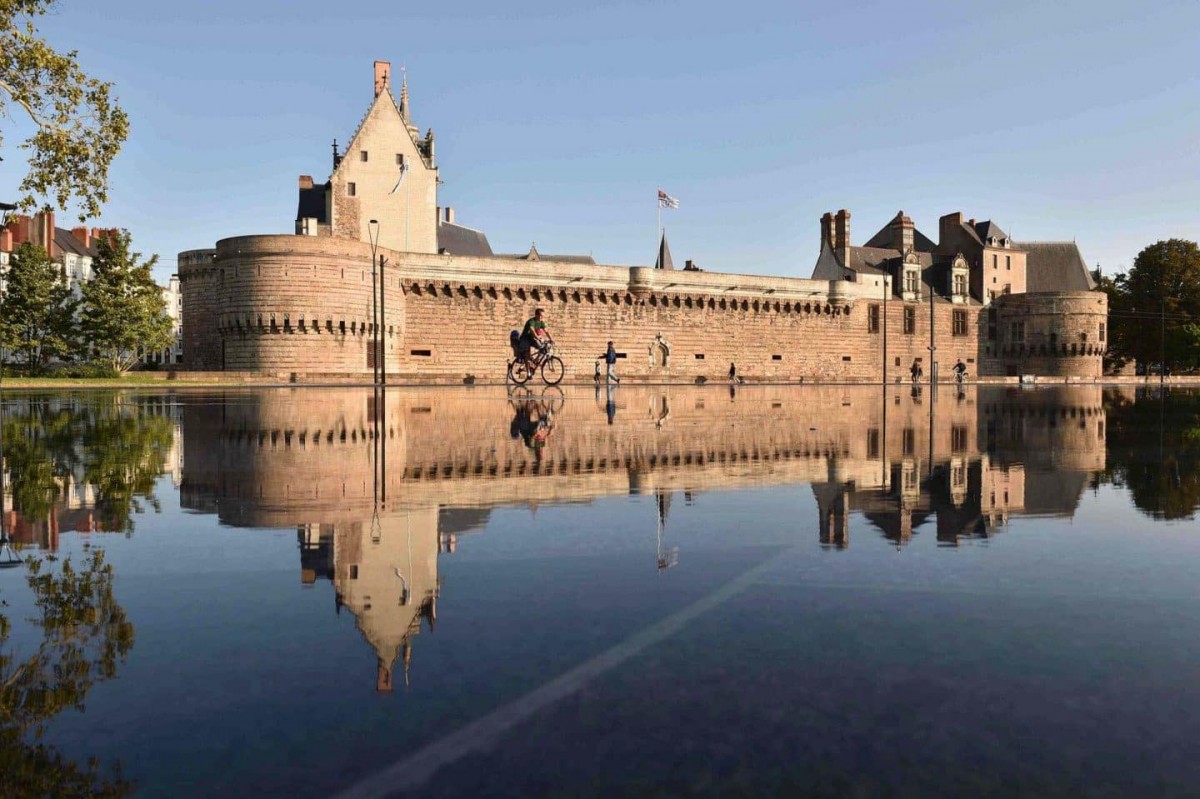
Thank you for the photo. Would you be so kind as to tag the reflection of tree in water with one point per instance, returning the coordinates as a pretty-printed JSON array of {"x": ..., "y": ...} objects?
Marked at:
[
  {"x": 113, "y": 444},
  {"x": 84, "y": 636},
  {"x": 1154, "y": 451}
]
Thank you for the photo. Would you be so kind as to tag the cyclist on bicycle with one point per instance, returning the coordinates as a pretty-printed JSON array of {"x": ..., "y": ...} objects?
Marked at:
[
  {"x": 534, "y": 334},
  {"x": 960, "y": 370}
]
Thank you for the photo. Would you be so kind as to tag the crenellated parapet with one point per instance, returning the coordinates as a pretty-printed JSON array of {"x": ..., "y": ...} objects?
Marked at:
[{"x": 1062, "y": 334}]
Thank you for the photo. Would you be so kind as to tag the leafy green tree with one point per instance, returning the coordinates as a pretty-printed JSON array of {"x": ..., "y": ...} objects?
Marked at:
[
  {"x": 85, "y": 636},
  {"x": 123, "y": 308},
  {"x": 1153, "y": 445},
  {"x": 37, "y": 312},
  {"x": 1164, "y": 282},
  {"x": 79, "y": 128}
]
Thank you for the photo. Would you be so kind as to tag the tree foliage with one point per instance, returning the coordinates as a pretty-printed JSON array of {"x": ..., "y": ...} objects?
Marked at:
[
  {"x": 85, "y": 635},
  {"x": 123, "y": 312},
  {"x": 78, "y": 126},
  {"x": 1153, "y": 443},
  {"x": 1156, "y": 306},
  {"x": 37, "y": 312},
  {"x": 114, "y": 445}
]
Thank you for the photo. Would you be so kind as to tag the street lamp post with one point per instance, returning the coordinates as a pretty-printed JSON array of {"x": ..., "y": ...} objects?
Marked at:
[
  {"x": 373, "y": 235},
  {"x": 886, "y": 291}
]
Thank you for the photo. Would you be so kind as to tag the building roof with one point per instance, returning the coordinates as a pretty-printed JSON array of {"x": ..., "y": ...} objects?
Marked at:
[
  {"x": 883, "y": 238},
  {"x": 1055, "y": 266},
  {"x": 534, "y": 255},
  {"x": 458, "y": 240},
  {"x": 312, "y": 204},
  {"x": 65, "y": 240},
  {"x": 988, "y": 229}
]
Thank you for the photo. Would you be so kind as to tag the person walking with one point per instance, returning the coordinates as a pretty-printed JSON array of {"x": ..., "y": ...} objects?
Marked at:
[
  {"x": 732, "y": 373},
  {"x": 610, "y": 358}
]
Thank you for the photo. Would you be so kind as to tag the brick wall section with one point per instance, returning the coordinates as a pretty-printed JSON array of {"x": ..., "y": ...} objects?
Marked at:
[{"x": 450, "y": 316}]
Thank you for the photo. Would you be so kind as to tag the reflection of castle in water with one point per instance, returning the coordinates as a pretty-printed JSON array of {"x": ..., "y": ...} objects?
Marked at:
[{"x": 378, "y": 490}]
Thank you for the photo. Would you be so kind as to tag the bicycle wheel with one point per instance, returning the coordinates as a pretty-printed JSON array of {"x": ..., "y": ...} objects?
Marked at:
[
  {"x": 553, "y": 398},
  {"x": 519, "y": 372},
  {"x": 553, "y": 370}
]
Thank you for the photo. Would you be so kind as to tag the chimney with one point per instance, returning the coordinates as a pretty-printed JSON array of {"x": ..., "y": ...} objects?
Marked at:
[
  {"x": 43, "y": 231},
  {"x": 383, "y": 71},
  {"x": 841, "y": 235},
  {"x": 306, "y": 182},
  {"x": 827, "y": 229},
  {"x": 383, "y": 677},
  {"x": 902, "y": 233},
  {"x": 449, "y": 215},
  {"x": 6, "y": 240},
  {"x": 82, "y": 235},
  {"x": 948, "y": 227},
  {"x": 19, "y": 226}
]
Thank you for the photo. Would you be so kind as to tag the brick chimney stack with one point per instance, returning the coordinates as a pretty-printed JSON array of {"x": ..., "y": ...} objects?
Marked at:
[
  {"x": 6, "y": 240},
  {"x": 82, "y": 235},
  {"x": 42, "y": 233},
  {"x": 19, "y": 226},
  {"x": 383, "y": 73},
  {"x": 948, "y": 227},
  {"x": 827, "y": 229},
  {"x": 306, "y": 182},
  {"x": 841, "y": 235}
]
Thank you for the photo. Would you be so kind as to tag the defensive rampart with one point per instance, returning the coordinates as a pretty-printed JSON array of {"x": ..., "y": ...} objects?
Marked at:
[
  {"x": 297, "y": 304},
  {"x": 1062, "y": 334}
]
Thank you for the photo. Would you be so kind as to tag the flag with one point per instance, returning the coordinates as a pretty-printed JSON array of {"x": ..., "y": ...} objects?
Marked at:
[
  {"x": 399, "y": 180},
  {"x": 666, "y": 201}
]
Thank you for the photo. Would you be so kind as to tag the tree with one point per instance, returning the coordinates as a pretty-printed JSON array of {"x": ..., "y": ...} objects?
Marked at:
[
  {"x": 79, "y": 128},
  {"x": 37, "y": 312},
  {"x": 85, "y": 635},
  {"x": 1163, "y": 285},
  {"x": 123, "y": 308}
]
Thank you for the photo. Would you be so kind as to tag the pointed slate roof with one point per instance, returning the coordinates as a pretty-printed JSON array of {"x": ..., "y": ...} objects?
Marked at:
[
  {"x": 988, "y": 229},
  {"x": 1055, "y": 266},
  {"x": 664, "y": 255}
]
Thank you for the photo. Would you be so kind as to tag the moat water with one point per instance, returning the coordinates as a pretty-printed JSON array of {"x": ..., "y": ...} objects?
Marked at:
[{"x": 839, "y": 591}]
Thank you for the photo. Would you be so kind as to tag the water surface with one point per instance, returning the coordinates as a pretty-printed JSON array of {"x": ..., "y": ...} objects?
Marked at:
[{"x": 681, "y": 591}]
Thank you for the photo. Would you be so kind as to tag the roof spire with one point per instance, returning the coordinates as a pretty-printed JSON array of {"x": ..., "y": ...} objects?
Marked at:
[
  {"x": 404, "y": 112},
  {"x": 664, "y": 254}
]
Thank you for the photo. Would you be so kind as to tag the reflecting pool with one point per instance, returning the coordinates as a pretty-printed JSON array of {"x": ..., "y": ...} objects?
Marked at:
[{"x": 833, "y": 591}]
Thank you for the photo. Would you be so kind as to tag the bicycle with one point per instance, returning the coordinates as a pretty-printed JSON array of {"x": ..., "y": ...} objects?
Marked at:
[
  {"x": 960, "y": 377},
  {"x": 544, "y": 360}
]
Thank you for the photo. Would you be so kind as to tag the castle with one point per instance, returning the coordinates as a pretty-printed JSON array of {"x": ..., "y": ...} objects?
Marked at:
[{"x": 302, "y": 305}]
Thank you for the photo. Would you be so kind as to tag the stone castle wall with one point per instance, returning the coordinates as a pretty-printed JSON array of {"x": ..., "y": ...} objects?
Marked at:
[
  {"x": 1062, "y": 334},
  {"x": 300, "y": 456}
]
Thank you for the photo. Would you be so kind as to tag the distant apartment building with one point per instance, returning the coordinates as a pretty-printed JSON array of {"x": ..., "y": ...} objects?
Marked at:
[{"x": 75, "y": 253}]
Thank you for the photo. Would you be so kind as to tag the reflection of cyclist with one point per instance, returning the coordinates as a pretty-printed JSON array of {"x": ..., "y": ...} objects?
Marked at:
[
  {"x": 960, "y": 370},
  {"x": 534, "y": 334}
]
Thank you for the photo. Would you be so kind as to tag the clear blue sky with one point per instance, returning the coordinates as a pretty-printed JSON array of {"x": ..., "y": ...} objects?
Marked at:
[{"x": 556, "y": 124}]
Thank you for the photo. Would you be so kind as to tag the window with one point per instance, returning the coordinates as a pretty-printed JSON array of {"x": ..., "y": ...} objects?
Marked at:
[
  {"x": 420, "y": 353},
  {"x": 699, "y": 356},
  {"x": 351, "y": 190},
  {"x": 910, "y": 320},
  {"x": 960, "y": 285},
  {"x": 1102, "y": 331},
  {"x": 399, "y": 159},
  {"x": 872, "y": 318},
  {"x": 1018, "y": 333},
  {"x": 911, "y": 281},
  {"x": 958, "y": 439},
  {"x": 908, "y": 440},
  {"x": 995, "y": 261},
  {"x": 960, "y": 323},
  {"x": 1008, "y": 262},
  {"x": 362, "y": 155},
  {"x": 873, "y": 443},
  {"x": 776, "y": 357}
]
